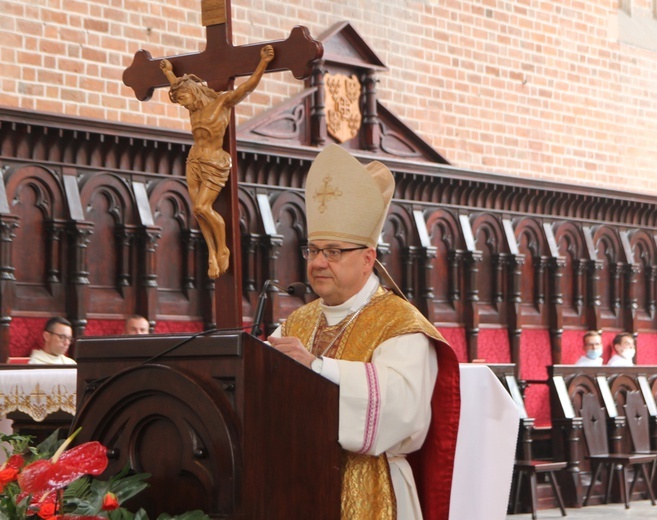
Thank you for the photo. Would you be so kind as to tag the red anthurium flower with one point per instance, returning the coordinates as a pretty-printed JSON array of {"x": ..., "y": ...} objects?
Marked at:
[
  {"x": 89, "y": 458},
  {"x": 110, "y": 502}
]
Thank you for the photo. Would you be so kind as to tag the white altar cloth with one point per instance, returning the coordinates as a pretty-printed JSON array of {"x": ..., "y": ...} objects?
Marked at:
[{"x": 485, "y": 447}]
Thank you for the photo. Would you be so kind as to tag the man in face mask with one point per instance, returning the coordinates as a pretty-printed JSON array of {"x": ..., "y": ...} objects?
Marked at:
[
  {"x": 624, "y": 350},
  {"x": 592, "y": 350}
]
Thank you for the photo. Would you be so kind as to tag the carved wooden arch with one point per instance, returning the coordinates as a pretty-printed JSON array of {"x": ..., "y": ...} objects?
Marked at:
[
  {"x": 644, "y": 255},
  {"x": 250, "y": 220},
  {"x": 607, "y": 244},
  {"x": 47, "y": 185},
  {"x": 288, "y": 210},
  {"x": 401, "y": 235},
  {"x": 450, "y": 230},
  {"x": 569, "y": 239},
  {"x": 652, "y": 382},
  {"x": 117, "y": 191},
  {"x": 536, "y": 241},
  {"x": 491, "y": 226},
  {"x": 608, "y": 249},
  {"x": 37, "y": 198},
  {"x": 620, "y": 385},
  {"x": 180, "y": 251},
  {"x": 107, "y": 201},
  {"x": 490, "y": 240},
  {"x": 571, "y": 246},
  {"x": 578, "y": 387},
  {"x": 446, "y": 236},
  {"x": 251, "y": 231},
  {"x": 174, "y": 189},
  {"x": 532, "y": 243}
]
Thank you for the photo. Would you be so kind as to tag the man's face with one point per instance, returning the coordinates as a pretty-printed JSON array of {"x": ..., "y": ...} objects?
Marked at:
[
  {"x": 627, "y": 343},
  {"x": 136, "y": 326},
  {"x": 593, "y": 342},
  {"x": 336, "y": 282},
  {"x": 57, "y": 339}
]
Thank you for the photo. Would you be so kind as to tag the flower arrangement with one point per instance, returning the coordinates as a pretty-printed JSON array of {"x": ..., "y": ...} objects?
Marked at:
[{"x": 49, "y": 482}]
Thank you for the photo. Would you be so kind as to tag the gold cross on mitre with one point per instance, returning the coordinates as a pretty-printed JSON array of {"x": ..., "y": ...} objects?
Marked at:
[{"x": 326, "y": 193}]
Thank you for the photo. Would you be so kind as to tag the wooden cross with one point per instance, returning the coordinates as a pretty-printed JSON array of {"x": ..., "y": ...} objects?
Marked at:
[{"x": 218, "y": 65}]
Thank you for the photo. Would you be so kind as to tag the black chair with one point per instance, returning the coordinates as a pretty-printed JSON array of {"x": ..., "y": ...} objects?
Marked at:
[{"x": 595, "y": 433}]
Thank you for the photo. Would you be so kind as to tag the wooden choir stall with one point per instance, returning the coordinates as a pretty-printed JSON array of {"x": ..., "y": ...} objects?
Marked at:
[{"x": 222, "y": 422}]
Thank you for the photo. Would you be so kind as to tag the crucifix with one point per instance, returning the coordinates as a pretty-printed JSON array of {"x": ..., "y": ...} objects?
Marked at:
[{"x": 217, "y": 66}]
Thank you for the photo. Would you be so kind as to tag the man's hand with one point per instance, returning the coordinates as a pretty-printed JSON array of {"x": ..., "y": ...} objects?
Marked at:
[
  {"x": 267, "y": 53},
  {"x": 291, "y": 346},
  {"x": 165, "y": 65}
]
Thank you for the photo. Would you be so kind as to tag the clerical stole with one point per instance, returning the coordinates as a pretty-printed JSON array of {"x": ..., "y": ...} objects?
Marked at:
[{"x": 367, "y": 491}]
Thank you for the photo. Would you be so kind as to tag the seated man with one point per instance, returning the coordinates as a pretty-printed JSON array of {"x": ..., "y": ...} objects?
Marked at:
[
  {"x": 136, "y": 324},
  {"x": 623, "y": 349},
  {"x": 57, "y": 338},
  {"x": 592, "y": 350}
]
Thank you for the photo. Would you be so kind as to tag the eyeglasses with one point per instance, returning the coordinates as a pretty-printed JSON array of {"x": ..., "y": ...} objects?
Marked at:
[
  {"x": 331, "y": 254},
  {"x": 62, "y": 337}
]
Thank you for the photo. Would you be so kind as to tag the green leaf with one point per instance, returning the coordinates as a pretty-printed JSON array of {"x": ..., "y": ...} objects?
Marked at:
[{"x": 49, "y": 446}]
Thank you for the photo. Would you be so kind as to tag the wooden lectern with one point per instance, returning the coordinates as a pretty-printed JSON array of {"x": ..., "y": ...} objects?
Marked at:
[{"x": 222, "y": 422}]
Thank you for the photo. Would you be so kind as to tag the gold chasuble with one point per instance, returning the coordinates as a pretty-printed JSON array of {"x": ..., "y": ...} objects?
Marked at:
[{"x": 367, "y": 492}]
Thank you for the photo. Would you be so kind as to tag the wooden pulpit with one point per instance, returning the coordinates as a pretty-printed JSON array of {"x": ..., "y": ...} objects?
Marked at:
[{"x": 222, "y": 422}]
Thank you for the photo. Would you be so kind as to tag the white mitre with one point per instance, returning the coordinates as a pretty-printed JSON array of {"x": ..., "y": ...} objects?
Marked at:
[
  {"x": 348, "y": 202},
  {"x": 345, "y": 200}
]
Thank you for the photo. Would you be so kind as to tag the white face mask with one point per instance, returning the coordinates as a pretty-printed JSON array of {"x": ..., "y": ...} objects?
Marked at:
[{"x": 628, "y": 353}]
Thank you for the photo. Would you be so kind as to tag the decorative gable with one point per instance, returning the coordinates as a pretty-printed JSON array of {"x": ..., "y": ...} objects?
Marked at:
[{"x": 340, "y": 105}]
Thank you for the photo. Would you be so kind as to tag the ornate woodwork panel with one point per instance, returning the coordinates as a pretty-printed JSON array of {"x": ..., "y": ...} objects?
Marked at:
[
  {"x": 401, "y": 258},
  {"x": 492, "y": 282},
  {"x": 109, "y": 205},
  {"x": 608, "y": 252},
  {"x": 570, "y": 245},
  {"x": 640, "y": 280},
  {"x": 179, "y": 253},
  {"x": 283, "y": 260},
  {"x": 447, "y": 274},
  {"x": 38, "y": 258},
  {"x": 534, "y": 289}
]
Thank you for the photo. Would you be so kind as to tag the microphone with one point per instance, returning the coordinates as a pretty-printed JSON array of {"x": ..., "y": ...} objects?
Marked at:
[{"x": 294, "y": 289}]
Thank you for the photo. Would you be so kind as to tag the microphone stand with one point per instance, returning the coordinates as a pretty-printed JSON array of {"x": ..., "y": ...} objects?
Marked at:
[{"x": 294, "y": 289}]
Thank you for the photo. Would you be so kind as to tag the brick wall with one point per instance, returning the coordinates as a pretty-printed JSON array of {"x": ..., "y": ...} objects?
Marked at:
[{"x": 536, "y": 89}]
